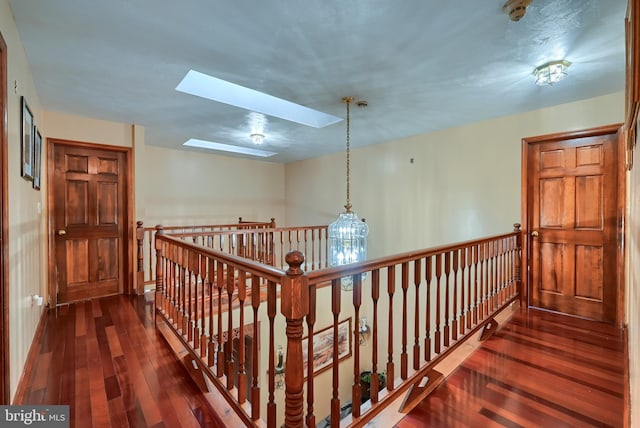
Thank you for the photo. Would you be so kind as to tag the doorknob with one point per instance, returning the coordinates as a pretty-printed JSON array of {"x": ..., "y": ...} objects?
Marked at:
[
  {"x": 534, "y": 233},
  {"x": 62, "y": 232}
]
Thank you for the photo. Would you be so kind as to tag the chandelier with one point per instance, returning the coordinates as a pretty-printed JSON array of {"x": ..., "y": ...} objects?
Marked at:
[
  {"x": 551, "y": 72},
  {"x": 348, "y": 234}
]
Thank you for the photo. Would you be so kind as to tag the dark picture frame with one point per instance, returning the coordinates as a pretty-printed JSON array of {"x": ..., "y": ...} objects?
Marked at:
[
  {"x": 27, "y": 142},
  {"x": 37, "y": 159}
]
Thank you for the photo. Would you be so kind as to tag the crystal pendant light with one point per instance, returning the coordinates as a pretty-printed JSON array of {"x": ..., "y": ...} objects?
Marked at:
[{"x": 348, "y": 234}]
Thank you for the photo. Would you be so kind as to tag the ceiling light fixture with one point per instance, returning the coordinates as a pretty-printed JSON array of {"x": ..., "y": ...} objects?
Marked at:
[
  {"x": 551, "y": 72},
  {"x": 257, "y": 139},
  {"x": 348, "y": 234},
  {"x": 212, "y": 88},
  {"x": 204, "y": 144}
]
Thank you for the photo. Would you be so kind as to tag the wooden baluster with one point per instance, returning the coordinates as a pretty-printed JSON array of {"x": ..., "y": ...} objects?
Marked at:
[
  {"x": 454, "y": 323},
  {"x": 255, "y": 355},
  {"x": 204, "y": 275},
  {"x": 311, "y": 320},
  {"x": 228, "y": 348},
  {"x": 188, "y": 330},
  {"x": 404, "y": 357},
  {"x": 171, "y": 277},
  {"x": 482, "y": 297},
  {"x": 391, "y": 289},
  {"x": 427, "y": 338},
  {"x": 335, "y": 310},
  {"x": 476, "y": 296},
  {"x": 140, "y": 257},
  {"x": 212, "y": 345},
  {"x": 152, "y": 254},
  {"x": 183, "y": 290},
  {"x": 486, "y": 280},
  {"x": 501, "y": 272},
  {"x": 271, "y": 313},
  {"x": 220, "y": 352},
  {"x": 282, "y": 250},
  {"x": 494, "y": 264},
  {"x": 193, "y": 293},
  {"x": 463, "y": 307},
  {"x": 356, "y": 393},
  {"x": 469, "y": 306},
  {"x": 159, "y": 278},
  {"x": 242, "y": 374},
  {"x": 196, "y": 318},
  {"x": 518, "y": 265},
  {"x": 375, "y": 296},
  {"x": 438, "y": 317},
  {"x": 295, "y": 307},
  {"x": 417, "y": 279},
  {"x": 447, "y": 298},
  {"x": 490, "y": 277}
]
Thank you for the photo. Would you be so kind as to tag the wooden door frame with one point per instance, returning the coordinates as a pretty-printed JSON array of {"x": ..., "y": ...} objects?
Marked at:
[
  {"x": 5, "y": 385},
  {"x": 127, "y": 280},
  {"x": 620, "y": 210}
]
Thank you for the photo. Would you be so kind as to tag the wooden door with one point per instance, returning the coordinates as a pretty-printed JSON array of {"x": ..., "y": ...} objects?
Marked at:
[
  {"x": 572, "y": 187},
  {"x": 88, "y": 226}
]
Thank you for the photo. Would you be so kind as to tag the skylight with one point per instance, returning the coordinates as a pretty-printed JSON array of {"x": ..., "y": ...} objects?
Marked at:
[
  {"x": 203, "y": 144},
  {"x": 205, "y": 86}
]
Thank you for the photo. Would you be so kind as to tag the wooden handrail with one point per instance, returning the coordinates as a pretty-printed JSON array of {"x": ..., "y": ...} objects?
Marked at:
[{"x": 421, "y": 305}]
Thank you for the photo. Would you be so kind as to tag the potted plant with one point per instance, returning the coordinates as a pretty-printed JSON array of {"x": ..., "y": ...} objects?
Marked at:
[{"x": 365, "y": 384}]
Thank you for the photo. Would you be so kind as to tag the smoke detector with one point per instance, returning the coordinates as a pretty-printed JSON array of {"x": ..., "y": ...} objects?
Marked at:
[{"x": 516, "y": 9}]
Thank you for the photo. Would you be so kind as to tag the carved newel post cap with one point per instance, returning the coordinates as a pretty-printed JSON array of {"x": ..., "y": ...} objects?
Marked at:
[
  {"x": 294, "y": 259},
  {"x": 516, "y": 227}
]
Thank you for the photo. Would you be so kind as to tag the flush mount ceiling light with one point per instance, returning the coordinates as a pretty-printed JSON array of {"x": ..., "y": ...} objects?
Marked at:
[
  {"x": 551, "y": 72},
  {"x": 212, "y": 88},
  {"x": 204, "y": 144},
  {"x": 257, "y": 139}
]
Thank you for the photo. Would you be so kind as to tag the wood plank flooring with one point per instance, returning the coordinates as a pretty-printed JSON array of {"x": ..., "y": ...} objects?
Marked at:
[
  {"x": 105, "y": 358},
  {"x": 539, "y": 370}
]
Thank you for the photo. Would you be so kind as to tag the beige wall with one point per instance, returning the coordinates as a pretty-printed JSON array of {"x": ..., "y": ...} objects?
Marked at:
[
  {"x": 633, "y": 286},
  {"x": 463, "y": 183},
  {"x": 176, "y": 187},
  {"x": 26, "y": 228},
  {"x": 76, "y": 128}
]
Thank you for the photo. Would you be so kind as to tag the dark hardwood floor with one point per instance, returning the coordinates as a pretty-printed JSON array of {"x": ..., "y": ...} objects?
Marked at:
[
  {"x": 539, "y": 370},
  {"x": 105, "y": 359}
]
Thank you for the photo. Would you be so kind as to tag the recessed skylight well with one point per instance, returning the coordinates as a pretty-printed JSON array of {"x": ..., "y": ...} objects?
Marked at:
[
  {"x": 205, "y": 86},
  {"x": 204, "y": 144}
]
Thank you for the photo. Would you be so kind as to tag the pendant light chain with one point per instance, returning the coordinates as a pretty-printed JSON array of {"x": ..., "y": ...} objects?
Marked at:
[{"x": 347, "y": 100}]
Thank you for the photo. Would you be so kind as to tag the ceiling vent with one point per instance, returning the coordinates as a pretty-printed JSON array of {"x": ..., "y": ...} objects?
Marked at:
[{"x": 516, "y": 9}]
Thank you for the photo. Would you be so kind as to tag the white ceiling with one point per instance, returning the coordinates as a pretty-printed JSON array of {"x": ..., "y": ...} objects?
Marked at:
[{"x": 422, "y": 65}]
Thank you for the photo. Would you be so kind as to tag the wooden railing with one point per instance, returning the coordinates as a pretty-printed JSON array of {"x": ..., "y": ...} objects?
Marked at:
[
  {"x": 421, "y": 305},
  {"x": 146, "y": 252}
]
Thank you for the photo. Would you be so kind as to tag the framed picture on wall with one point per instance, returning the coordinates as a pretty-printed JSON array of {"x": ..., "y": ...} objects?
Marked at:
[
  {"x": 37, "y": 159},
  {"x": 323, "y": 347},
  {"x": 27, "y": 141}
]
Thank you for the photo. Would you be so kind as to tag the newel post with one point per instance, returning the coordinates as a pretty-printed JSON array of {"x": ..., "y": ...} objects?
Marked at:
[
  {"x": 159, "y": 301},
  {"x": 294, "y": 306},
  {"x": 140, "y": 242},
  {"x": 517, "y": 228}
]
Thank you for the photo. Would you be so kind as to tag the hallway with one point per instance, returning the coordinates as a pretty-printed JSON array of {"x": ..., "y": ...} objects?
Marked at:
[{"x": 105, "y": 359}]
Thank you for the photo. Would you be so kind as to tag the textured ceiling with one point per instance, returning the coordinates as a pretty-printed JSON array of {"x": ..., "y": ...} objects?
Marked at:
[{"x": 422, "y": 65}]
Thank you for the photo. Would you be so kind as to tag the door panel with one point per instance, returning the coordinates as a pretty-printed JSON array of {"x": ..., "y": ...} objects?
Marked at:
[
  {"x": 89, "y": 230},
  {"x": 572, "y": 214}
]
